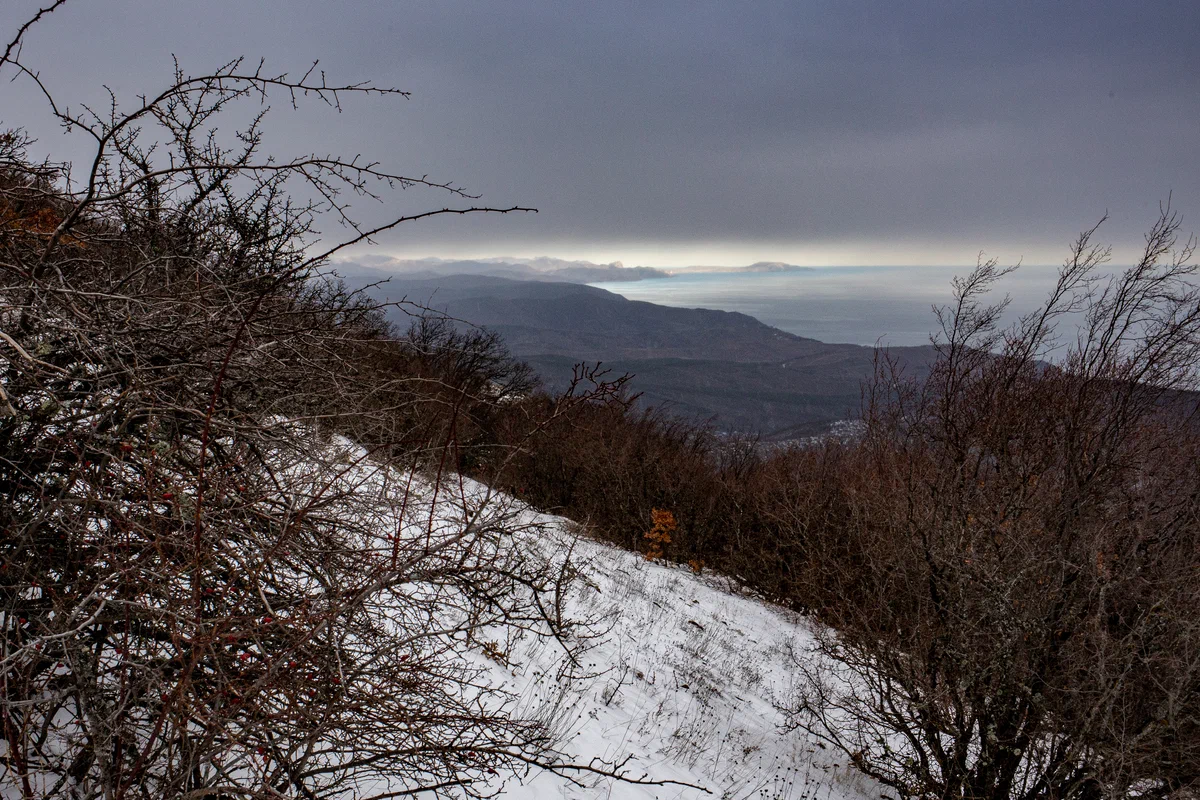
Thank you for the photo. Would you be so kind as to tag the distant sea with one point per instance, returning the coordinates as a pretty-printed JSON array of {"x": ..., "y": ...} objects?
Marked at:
[{"x": 858, "y": 305}]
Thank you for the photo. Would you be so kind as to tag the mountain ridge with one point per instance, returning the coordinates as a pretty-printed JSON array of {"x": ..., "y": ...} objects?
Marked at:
[{"x": 723, "y": 366}]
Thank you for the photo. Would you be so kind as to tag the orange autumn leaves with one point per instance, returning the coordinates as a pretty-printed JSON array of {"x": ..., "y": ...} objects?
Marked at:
[
  {"x": 659, "y": 535},
  {"x": 664, "y": 525}
]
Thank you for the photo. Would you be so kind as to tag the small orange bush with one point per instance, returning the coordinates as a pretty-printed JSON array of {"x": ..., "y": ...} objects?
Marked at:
[{"x": 660, "y": 533}]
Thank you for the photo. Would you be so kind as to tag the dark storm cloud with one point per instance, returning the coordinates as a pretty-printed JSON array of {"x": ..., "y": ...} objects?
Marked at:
[{"x": 967, "y": 125}]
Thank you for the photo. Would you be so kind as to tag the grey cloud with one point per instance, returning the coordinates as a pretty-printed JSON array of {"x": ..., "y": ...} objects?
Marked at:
[{"x": 1005, "y": 126}]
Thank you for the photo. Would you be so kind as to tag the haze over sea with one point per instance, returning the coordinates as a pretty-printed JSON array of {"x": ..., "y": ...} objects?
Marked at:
[{"x": 858, "y": 305}]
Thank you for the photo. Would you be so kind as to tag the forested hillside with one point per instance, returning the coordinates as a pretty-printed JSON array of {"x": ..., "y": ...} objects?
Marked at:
[{"x": 706, "y": 365}]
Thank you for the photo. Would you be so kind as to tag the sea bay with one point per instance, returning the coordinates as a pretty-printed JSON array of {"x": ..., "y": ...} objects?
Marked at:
[{"x": 855, "y": 304}]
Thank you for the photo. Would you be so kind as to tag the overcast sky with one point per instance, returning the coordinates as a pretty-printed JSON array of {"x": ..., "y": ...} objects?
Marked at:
[{"x": 705, "y": 133}]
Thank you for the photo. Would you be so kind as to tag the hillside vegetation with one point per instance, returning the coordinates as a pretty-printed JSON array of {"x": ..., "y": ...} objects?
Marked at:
[
  {"x": 705, "y": 365},
  {"x": 259, "y": 541}
]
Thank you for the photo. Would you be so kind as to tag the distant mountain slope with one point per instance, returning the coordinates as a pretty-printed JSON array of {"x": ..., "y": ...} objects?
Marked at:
[
  {"x": 704, "y": 363},
  {"x": 588, "y": 322},
  {"x": 780, "y": 402}
]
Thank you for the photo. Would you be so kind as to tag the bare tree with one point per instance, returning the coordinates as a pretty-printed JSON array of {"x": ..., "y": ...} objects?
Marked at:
[{"x": 1011, "y": 582}]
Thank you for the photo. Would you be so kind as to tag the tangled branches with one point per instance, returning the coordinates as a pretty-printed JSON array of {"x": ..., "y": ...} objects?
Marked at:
[
  {"x": 204, "y": 589},
  {"x": 1011, "y": 569}
]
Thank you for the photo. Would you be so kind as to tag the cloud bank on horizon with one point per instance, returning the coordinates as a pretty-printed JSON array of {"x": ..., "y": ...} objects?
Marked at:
[{"x": 677, "y": 133}]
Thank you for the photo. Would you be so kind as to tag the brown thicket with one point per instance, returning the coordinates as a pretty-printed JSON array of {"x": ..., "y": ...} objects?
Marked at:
[
  {"x": 1010, "y": 574},
  {"x": 734, "y": 500},
  {"x": 205, "y": 591}
]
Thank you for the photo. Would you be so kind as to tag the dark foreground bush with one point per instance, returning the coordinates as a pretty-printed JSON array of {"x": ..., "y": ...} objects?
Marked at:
[
  {"x": 1012, "y": 586},
  {"x": 204, "y": 590}
]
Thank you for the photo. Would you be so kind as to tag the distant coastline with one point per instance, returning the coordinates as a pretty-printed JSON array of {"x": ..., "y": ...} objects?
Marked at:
[{"x": 543, "y": 268}]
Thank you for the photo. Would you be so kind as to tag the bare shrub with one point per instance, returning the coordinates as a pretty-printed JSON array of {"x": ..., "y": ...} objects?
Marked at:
[
  {"x": 1010, "y": 574},
  {"x": 204, "y": 590}
]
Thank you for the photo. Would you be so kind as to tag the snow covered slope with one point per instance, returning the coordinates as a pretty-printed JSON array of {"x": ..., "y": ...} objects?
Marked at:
[
  {"x": 663, "y": 676},
  {"x": 684, "y": 680},
  {"x": 678, "y": 676}
]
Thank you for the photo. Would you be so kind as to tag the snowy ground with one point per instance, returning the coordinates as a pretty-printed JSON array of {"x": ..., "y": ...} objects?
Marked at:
[
  {"x": 681, "y": 679},
  {"x": 685, "y": 681},
  {"x": 680, "y": 676}
]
